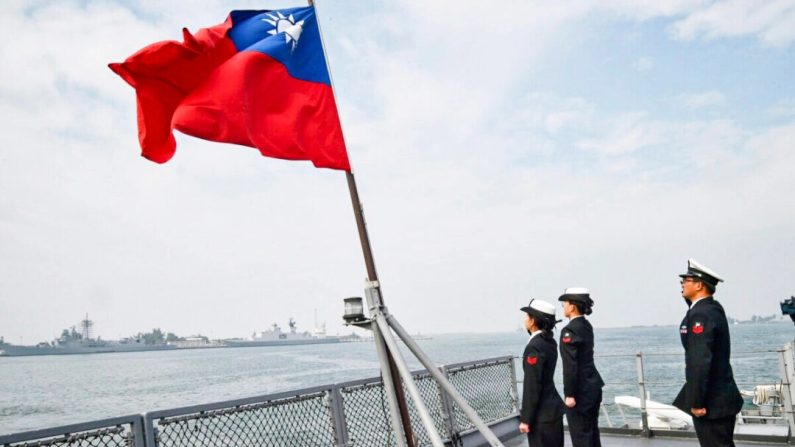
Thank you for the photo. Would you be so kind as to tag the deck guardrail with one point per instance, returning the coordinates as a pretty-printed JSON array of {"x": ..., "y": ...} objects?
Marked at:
[
  {"x": 356, "y": 413},
  {"x": 636, "y": 380},
  {"x": 348, "y": 414},
  {"x": 125, "y": 431}
]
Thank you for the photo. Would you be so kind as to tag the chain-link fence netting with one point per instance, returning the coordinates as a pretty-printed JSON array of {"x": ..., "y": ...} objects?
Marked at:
[
  {"x": 367, "y": 415},
  {"x": 429, "y": 392},
  {"x": 351, "y": 414},
  {"x": 487, "y": 387},
  {"x": 118, "y": 436},
  {"x": 300, "y": 422},
  {"x": 356, "y": 414}
]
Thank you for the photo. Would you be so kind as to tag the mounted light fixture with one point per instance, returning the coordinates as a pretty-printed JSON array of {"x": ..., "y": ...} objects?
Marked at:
[{"x": 354, "y": 310}]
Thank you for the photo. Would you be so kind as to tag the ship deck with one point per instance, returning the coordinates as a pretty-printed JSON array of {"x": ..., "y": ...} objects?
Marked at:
[
  {"x": 507, "y": 431},
  {"x": 611, "y": 440}
]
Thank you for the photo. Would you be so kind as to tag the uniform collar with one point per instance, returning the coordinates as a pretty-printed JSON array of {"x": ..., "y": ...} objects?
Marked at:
[
  {"x": 699, "y": 300},
  {"x": 533, "y": 334},
  {"x": 575, "y": 317}
]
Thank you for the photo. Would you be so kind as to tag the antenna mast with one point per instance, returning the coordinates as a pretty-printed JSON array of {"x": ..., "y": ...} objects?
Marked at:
[{"x": 85, "y": 328}]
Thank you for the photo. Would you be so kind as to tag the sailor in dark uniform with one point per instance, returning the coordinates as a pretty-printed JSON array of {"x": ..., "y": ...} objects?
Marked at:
[
  {"x": 582, "y": 384},
  {"x": 710, "y": 394},
  {"x": 542, "y": 408}
]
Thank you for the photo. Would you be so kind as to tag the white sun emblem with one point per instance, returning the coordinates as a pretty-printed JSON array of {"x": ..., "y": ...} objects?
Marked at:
[{"x": 287, "y": 25}]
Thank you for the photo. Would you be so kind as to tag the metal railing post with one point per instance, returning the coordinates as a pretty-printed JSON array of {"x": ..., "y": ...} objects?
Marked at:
[
  {"x": 785, "y": 369},
  {"x": 514, "y": 386},
  {"x": 644, "y": 417},
  {"x": 150, "y": 434},
  {"x": 448, "y": 413},
  {"x": 139, "y": 439},
  {"x": 338, "y": 417}
]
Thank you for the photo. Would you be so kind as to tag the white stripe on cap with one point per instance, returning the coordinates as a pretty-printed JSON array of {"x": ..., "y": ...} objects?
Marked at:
[
  {"x": 576, "y": 291},
  {"x": 543, "y": 307}
]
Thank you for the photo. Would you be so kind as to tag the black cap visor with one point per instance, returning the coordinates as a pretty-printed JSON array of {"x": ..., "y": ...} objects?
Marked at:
[
  {"x": 578, "y": 298},
  {"x": 701, "y": 276}
]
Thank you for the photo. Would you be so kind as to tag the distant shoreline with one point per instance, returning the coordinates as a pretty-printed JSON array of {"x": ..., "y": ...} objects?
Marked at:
[{"x": 640, "y": 326}]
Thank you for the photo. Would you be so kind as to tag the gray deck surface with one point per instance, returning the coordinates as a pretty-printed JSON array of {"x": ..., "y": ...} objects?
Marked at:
[{"x": 628, "y": 441}]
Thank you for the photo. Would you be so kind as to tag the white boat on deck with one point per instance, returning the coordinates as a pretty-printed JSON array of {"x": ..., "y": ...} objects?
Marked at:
[
  {"x": 765, "y": 419},
  {"x": 660, "y": 416}
]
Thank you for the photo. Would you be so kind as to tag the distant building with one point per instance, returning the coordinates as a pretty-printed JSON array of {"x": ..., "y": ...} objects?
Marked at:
[{"x": 195, "y": 343}]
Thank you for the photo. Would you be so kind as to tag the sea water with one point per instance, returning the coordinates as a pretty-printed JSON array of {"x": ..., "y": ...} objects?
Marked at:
[{"x": 46, "y": 391}]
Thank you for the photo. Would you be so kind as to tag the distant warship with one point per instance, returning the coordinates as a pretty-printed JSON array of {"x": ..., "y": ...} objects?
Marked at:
[
  {"x": 276, "y": 337},
  {"x": 80, "y": 342}
]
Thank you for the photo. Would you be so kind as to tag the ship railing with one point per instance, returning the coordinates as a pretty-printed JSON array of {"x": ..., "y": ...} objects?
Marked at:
[
  {"x": 347, "y": 414},
  {"x": 633, "y": 374},
  {"x": 355, "y": 413},
  {"x": 124, "y": 431}
]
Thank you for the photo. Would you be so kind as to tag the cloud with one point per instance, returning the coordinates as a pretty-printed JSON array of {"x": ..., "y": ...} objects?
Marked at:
[
  {"x": 649, "y": 9},
  {"x": 480, "y": 184},
  {"x": 702, "y": 100},
  {"x": 784, "y": 108},
  {"x": 773, "y": 22},
  {"x": 627, "y": 133}
]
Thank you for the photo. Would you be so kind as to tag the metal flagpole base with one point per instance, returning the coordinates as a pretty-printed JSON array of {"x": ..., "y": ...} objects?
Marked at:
[
  {"x": 442, "y": 381},
  {"x": 374, "y": 303},
  {"x": 414, "y": 392}
]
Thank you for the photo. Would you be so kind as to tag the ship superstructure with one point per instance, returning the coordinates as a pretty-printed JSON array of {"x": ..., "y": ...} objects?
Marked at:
[
  {"x": 275, "y": 336},
  {"x": 82, "y": 341}
]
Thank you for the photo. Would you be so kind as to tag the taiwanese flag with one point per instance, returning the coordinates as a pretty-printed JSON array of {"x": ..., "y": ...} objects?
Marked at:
[{"x": 259, "y": 79}]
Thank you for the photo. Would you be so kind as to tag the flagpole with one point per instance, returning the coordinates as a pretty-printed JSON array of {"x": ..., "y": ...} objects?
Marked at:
[
  {"x": 372, "y": 277},
  {"x": 372, "y": 274},
  {"x": 361, "y": 225}
]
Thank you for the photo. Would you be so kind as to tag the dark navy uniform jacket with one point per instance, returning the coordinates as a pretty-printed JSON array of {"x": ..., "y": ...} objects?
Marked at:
[
  {"x": 540, "y": 400},
  {"x": 581, "y": 380},
  {"x": 708, "y": 374}
]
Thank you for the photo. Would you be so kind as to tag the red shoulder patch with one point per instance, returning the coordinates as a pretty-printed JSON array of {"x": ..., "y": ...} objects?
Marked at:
[
  {"x": 532, "y": 360},
  {"x": 698, "y": 328},
  {"x": 566, "y": 339}
]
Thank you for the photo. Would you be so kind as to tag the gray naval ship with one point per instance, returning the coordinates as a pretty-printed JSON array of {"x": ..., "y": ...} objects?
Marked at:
[
  {"x": 276, "y": 337},
  {"x": 81, "y": 342},
  {"x": 80, "y": 347}
]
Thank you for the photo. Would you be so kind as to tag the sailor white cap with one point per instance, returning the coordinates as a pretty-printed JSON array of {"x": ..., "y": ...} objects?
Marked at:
[
  {"x": 696, "y": 270},
  {"x": 540, "y": 308},
  {"x": 580, "y": 294}
]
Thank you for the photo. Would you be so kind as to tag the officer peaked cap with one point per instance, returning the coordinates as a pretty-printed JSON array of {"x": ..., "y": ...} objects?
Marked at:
[{"x": 699, "y": 271}]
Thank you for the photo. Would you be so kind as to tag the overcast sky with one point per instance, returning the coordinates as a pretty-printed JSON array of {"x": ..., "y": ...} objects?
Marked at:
[{"x": 503, "y": 151}]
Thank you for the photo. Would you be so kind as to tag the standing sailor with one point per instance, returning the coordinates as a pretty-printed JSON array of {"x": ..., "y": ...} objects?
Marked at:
[
  {"x": 542, "y": 408},
  {"x": 710, "y": 393},
  {"x": 582, "y": 384}
]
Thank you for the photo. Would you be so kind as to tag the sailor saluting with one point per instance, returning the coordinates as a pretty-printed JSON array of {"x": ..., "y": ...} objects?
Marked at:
[
  {"x": 582, "y": 384},
  {"x": 710, "y": 394}
]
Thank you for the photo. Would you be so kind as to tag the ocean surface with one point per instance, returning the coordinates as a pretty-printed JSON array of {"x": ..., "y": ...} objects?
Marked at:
[{"x": 46, "y": 391}]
